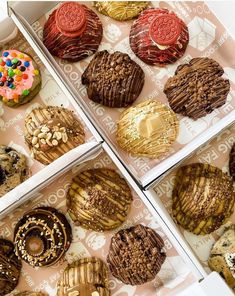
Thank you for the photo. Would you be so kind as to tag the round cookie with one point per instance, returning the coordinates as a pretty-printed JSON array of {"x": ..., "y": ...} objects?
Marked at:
[
  {"x": 72, "y": 32},
  {"x": 222, "y": 256},
  {"x": 50, "y": 132},
  {"x": 87, "y": 276},
  {"x": 20, "y": 79},
  {"x": 121, "y": 10},
  {"x": 148, "y": 129},
  {"x": 203, "y": 198},
  {"x": 232, "y": 162},
  {"x": 13, "y": 169},
  {"x": 99, "y": 199},
  {"x": 29, "y": 293},
  {"x": 113, "y": 80},
  {"x": 158, "y": 37},
  {"x": 10, "y": 267},
  {"x": 136, "y": 255},
  {"x": 42, "y": 236},
  {"x": 197, "y": 88}
]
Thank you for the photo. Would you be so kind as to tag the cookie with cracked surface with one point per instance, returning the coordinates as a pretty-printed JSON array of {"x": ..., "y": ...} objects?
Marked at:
[
  {"x": 232, "y": 162},
  {"x": 13, "y": 169},
  {"x": 203, "y": 198},
  {"x": 136, "y": 255},
  {"x": 121, "y": 10},
  {"x": 10, "y": 267},
  {"x": 42, "y": 236},
  {"x": 148, "y": 129},
  {"x": 197, "y": 88},
  {"x": 85, "y": 277},
  {"x": 99, "y": 199},
  {"x": 52, "y": 131},
  {"x": 113, "y": 80}
]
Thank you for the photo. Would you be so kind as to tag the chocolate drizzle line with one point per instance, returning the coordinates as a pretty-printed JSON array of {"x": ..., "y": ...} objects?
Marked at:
[
  {"x": 136, "y": 255},
  {"x": 232, "y": 162},
  {"x": 51, "y": 227},
  {"x": 197, "y": 88},
  {"x": 203, "y": 198},
  {"x": 113, "y": 80},
  {"x": 73, "y": 49},
  {"x": 99, "y": 199}
]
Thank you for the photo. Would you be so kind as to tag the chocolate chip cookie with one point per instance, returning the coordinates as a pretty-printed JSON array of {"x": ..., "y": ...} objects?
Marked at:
[
  {"x": 113, "y": 80},
  {"x": 136, "y": 255},
  {"x": 197, "y": 88},
  {"x": 232, "y": 162}
]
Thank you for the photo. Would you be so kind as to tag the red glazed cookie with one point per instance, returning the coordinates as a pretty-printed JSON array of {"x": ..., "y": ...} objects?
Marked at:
[
  {"x": 159, "y": 37},
  {"x": 72, "y": 32}
]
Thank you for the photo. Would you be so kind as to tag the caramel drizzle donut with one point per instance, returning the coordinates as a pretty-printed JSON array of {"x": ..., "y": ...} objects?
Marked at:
[
  {"x": 203, "y": 198},
  {"x": 42, "y": 237},
  {"x": 99, "y": 199}
]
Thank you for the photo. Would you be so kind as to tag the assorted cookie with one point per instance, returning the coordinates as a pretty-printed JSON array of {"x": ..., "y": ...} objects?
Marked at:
[
  {"x": 203, "y": 198},
  {"x": 197, "y": 88},
  {"x": 159, "y": 37},
  {"x": 99, "y": 199},
  {"x": 85, "y": 277},
  {"x": 113, "y": 79},
  {"x": 149, "y": 129},
  {"x": 50, "y": 132},
  {"x": 136, "y": 255},
  {"x": 13, "y": 169},
  {"x": 10, "y": 267},
  {"x": 72, "y": 32},
  {"x": 121, "y": 10},
  {"x": 232, "y": 162},
  {"x": 222, "y": 256},
  {"x": 42, "y": 236},
  {"x": 20, "y": 79}
]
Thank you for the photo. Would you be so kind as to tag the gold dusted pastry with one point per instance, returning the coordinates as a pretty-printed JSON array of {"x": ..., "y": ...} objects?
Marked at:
[
  {"x": 222, "y": 256},
  {"x": 86, "y": 277},
  {"x": 29, "y": 293},
  {"x": 148, "y": 129},
  {"x": 50, "y": 132},
  {"x": 99, "y": 199},
  {"x": 121, "y": 10},
  {"x": 203, "y": 198}
]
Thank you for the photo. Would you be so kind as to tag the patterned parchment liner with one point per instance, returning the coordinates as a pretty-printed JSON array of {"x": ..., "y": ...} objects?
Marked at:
[
  {"x": 215, "y": 152},
  {"x": 208, "y": 38},
  {"x": 12, "y": 120},
  {"x": 173, "y": 277}
]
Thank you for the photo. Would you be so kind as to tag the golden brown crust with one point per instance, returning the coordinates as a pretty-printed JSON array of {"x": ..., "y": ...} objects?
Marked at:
[{"x": 29, "y": 293}]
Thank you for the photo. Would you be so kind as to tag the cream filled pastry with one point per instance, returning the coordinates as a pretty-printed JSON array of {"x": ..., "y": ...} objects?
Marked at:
[
  {"x": 148, "y": 129},
  {"x": 42, "y": 236},
  {"x": 20, "y": 78}
]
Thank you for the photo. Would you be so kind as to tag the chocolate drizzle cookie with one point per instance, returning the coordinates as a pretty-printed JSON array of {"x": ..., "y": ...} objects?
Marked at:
[
  {"x": 86, "y": 277},
  {"x": 72, "y": 32},
  {"x": 50, "y": 132},
  {"x": 159, "y": 37},
  {"x": 99, "y": 199},
  {"x": 136, "y": 255},
  {"x": 42, "y": 237},
  {"x": 13, "y": 169},
  {"x": 203, "y": 198},
  {"x": 10, "y": 267},
  {"x": 149, "y": 129},
  {"x": 232, "y": 162},
  {"x": 197, "y": 88},
  {"x": 121, "y": 10},
  {"x": 222, "y": 256},
  {"x": 113, "y": 80}
]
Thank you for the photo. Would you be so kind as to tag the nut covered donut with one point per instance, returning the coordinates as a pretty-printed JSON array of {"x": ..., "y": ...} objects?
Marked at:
[
  {"x": 159, "y": 37},
  {"x": 20, "y": 78},
  {"x": 232, "y": 162},
  {"x": 42, "y": 237},
  {"x": 72, "y": 32}
]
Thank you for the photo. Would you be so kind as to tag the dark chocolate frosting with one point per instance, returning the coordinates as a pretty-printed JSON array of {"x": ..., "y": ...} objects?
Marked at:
[
  {"x": 136, "y": 255},
  {"x": 197, "y": 88},
  {"x": 113, "y": 80},
  {"x": 42, "y": 236},
  {"x": 232, "y": 162}
]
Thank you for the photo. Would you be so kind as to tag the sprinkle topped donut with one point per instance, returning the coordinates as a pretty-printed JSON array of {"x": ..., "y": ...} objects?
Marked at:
[{"x": 19, "y": 78}]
